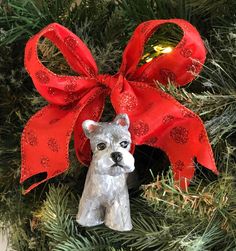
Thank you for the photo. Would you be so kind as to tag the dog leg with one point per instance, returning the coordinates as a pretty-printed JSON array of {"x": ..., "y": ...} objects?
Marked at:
[
  {"x": 117, "y": 215},
  {"x": 91, "y": 213}
]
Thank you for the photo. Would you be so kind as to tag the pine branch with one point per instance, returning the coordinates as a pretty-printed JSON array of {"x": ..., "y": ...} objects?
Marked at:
[
  {"x": 21, "y": 239},
  {"x": 167, "y": 219},
  {"x": 213, "y": 203},
  {"x": 215, "y": 10},
  {"x": 99, "y": 13},
  {"x": 156, "y": 9},
  {"x": 158, "y": 229},
  {"x": 59, "y": 225},
  {"x": 21, "y": 19}
]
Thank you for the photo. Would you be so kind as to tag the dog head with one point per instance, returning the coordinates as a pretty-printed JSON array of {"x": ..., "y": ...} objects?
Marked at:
[{"x": 110, "y": 143}]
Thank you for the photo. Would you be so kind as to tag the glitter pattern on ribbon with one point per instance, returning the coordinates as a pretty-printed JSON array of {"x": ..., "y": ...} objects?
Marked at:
[{"x": 156, "y": 118}]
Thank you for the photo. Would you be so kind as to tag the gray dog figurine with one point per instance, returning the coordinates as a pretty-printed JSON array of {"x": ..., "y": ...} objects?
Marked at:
[{"x": 105, "y": 198}]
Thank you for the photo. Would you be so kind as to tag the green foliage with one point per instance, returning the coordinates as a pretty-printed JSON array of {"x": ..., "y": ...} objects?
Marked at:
[
  {"x": 59, "y": 225},
  {"x": 22, "y": 18},
  {"x": 215, "y": 11},
  {"x": 164, "y": 218},
  {"x": 156, "y": 9},
  {"x": 211, "y": 207},
  {"x": 167, "y": 219}
]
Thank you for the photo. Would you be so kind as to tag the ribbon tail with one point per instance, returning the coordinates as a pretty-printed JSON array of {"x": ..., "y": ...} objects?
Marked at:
[
  {"x": 45, "y": 143},
  {"x": 183, "y": 141},
  {"x": 205, "y": 154}
]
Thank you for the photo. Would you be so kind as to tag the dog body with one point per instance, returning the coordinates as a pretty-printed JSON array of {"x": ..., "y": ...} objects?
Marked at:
[{"x": 105, "y": 198}]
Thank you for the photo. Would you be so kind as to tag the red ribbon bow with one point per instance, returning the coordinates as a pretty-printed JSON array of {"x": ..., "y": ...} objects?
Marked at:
[{"x": 157, "y": 119}]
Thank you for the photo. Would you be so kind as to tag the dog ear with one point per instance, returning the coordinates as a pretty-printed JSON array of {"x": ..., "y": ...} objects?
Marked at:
[
  {"x": 122, "y": 120},
  {"x": 89, "y": 126}
]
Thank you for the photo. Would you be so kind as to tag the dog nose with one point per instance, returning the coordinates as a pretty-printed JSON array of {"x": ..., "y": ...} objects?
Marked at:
[{"x": 116, "y": 156}]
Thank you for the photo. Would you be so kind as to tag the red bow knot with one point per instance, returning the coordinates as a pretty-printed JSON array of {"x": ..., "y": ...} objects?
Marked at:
[{"x": 157, "y": 119}]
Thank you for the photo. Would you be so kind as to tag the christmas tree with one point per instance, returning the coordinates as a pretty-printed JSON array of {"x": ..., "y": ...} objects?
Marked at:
[{"x": 164, "y": 217}]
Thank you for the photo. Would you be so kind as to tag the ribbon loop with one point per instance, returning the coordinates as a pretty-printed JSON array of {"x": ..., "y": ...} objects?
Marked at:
[
  {"x": 156, "y": 118},
  {"x": 53, "y": 87},
  {"x": 176, "y": 67}
]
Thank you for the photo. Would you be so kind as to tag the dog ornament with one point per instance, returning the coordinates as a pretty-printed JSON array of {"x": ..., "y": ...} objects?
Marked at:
[{"x": 105, "y": 198}]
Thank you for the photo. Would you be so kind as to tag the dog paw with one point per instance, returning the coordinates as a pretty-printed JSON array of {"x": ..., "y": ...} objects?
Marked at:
[
  {"x": 120, "y": 228},
  {"x": 88, "y": 222}
]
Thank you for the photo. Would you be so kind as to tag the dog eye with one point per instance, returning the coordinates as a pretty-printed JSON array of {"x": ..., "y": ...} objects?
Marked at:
[
  {"x": 101, "y": 146},
  {"x": 124, "y": 144}
]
